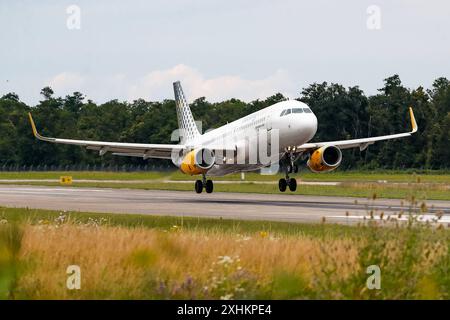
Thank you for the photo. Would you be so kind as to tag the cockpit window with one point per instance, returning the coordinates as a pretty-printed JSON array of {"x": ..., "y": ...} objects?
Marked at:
[
  {"x": 282, "y": 113},
  {"x": 288, "y": 111},
  {"x": 307, "y": 110},
  {"x": 297, "y": 110}
]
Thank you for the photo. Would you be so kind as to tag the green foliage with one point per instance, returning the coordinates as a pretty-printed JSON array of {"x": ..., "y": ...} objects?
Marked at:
[
  {"x": 10, "y": 244},
  {"x": 343, "y": 113}
]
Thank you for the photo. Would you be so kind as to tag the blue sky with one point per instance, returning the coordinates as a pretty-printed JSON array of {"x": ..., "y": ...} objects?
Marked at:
[{"x": 219, "y": 49}]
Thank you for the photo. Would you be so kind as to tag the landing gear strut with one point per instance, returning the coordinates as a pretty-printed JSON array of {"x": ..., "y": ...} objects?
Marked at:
[
  {"x": 289, "y": 182},
  {"x": 207, "y": 184}
]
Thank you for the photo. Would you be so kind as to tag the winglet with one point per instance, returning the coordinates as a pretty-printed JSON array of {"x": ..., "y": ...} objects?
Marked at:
[
  {"x": 36, "y": 133},
  {"x": 413, "y": 121},
  {"x": 33, "y": 126}
]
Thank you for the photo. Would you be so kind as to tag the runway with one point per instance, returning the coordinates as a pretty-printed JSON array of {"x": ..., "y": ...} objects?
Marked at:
[{"x": 276, "y": 207}]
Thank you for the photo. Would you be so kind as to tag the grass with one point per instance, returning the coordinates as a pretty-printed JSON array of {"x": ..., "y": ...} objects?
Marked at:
[
  {"x": 340, "y": 176},
  {"x": 146, "y": 257}
]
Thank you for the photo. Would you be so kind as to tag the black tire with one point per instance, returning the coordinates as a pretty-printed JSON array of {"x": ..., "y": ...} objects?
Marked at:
[
  {"x": 209, "y": 186},
  {"x": 282, "y": 184},
  {"x": 198, "y": 186},
  {"x": 292, "y": 184}
]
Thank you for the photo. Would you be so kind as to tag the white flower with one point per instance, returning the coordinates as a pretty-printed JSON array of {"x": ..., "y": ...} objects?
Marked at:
[
  {"x": 3, "y": 221},
  {"x": 61, "y": 218},
  {"x": 225, "y": 260},
  {"x": 227, "y": 297}
]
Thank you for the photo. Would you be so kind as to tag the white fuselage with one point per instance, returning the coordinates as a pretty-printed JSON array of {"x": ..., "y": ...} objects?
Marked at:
[{"x": 295, "y": 128}]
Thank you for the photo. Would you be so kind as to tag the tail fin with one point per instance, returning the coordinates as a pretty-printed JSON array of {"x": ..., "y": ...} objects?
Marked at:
[{"x": 186, "y": 122}]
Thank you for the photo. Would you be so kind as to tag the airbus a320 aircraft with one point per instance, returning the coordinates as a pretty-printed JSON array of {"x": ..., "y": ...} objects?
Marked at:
[{"x": 227, "y": 149}]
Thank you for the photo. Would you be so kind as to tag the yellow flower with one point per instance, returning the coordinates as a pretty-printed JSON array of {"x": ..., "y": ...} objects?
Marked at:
[{"x": 263, "y": 234}]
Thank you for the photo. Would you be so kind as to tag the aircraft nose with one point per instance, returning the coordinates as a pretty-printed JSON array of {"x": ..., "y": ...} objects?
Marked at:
[
  {"x": 306, "y": 125},
  {"x": 310, "y": 125}
]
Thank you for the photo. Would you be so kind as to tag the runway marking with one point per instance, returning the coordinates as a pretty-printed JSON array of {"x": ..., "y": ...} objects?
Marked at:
[
  {"x": 319, "y": 183},
  {"x": 405, "y": 217},
  {"x": 49, "y": 190}
]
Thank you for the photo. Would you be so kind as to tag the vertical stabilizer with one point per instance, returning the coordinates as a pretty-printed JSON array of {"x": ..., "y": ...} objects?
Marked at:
[{"x": 186, "y": 122}]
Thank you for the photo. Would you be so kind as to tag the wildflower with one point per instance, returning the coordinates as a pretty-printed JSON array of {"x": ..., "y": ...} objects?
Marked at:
[
  {"x": 3, "y": 221},
  {"x": 263, "y": 234},
  {"x": 61, "y": 218},
  {"x": 227, "y": 297},
  {"x": 243, "y": 238},
  {"x": 225, "y": 260}
]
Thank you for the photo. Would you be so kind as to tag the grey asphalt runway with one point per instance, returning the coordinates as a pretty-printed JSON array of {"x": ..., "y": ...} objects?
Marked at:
[{"x": 279, "y": 207}]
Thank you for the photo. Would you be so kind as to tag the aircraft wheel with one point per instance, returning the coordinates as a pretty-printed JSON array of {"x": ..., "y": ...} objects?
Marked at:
[
  {"x": 282, "y": 184},
  {"x": 198, "y": 186},
  {"x": 209, "y": 186},
  {"x": 292, "y": 184}
]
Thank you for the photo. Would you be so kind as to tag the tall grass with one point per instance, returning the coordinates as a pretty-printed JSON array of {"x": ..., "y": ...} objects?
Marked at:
[
  {"x": 10, "y": 245},
  {"x": 193, "y": 262}
]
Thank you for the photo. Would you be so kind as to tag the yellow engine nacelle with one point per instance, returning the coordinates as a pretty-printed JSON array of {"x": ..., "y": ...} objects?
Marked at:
[
  {"x": 198, "y": 161},
  {"x": 324, "y": 159}
]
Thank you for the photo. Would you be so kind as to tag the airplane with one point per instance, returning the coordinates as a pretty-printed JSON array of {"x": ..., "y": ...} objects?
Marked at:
[{"x": 203, "y": 154}]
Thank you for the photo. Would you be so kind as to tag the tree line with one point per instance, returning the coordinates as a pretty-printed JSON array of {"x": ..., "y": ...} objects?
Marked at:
[{"x": 343, "y": 113}]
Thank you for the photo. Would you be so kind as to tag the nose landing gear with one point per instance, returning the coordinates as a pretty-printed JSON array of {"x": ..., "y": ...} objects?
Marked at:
[{"x": 207, "y": 184}]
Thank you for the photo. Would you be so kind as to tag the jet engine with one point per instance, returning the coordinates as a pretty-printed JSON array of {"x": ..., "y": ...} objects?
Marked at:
[
  {"x": 198, "y": 161},
  {"x": 325, "y": 159}
]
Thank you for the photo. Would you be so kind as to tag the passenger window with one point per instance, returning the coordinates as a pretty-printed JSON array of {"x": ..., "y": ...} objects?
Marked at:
[
  {"x": 297, "y": 110},
  {"x": 307, "y": 110}
]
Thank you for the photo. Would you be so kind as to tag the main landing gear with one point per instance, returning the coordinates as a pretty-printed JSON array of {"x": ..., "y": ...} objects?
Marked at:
[
  {"x": 289, "y": 182},
  {"x": 207, "y": 184}
]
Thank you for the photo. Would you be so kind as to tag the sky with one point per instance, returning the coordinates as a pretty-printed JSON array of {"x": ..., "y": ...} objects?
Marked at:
[{"x": 245, "y": 49}]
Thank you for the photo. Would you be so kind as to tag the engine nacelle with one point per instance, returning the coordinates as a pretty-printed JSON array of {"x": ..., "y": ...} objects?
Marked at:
[
  {"x": 324, "y": 159},
  {"x": 198, "y": 161}
]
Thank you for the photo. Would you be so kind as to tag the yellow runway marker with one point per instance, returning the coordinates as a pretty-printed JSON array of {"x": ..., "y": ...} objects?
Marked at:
[{"x": 65, "y": 180}]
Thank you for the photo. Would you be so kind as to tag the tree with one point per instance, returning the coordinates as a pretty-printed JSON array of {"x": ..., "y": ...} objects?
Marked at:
[
  {"x": 343, "y": 113},
  {"x": 47, "y": 93}
]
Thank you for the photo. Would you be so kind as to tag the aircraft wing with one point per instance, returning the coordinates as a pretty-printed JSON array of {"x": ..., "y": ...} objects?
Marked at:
[
  {"x": 362, "y": 143},
  {"x": 160, "y": 151}
]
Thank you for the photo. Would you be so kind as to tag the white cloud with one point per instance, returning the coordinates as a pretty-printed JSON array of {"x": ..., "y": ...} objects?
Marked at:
[
  {"x": 219, "y": 88},
  {"x": 157, "y": 85},
  {"x": 67, "y": 82}
]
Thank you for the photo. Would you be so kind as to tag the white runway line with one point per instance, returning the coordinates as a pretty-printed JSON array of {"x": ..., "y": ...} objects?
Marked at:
[
  {"x": 405, "y": 217},
  {"x": 300, "y": 182}
]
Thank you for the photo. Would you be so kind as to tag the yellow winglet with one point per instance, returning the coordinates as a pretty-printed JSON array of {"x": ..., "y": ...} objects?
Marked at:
[
  {"x": 33, "y": 126},
  {"x": 413, "y": 121},
  {"x": 36, "y": 133}
]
